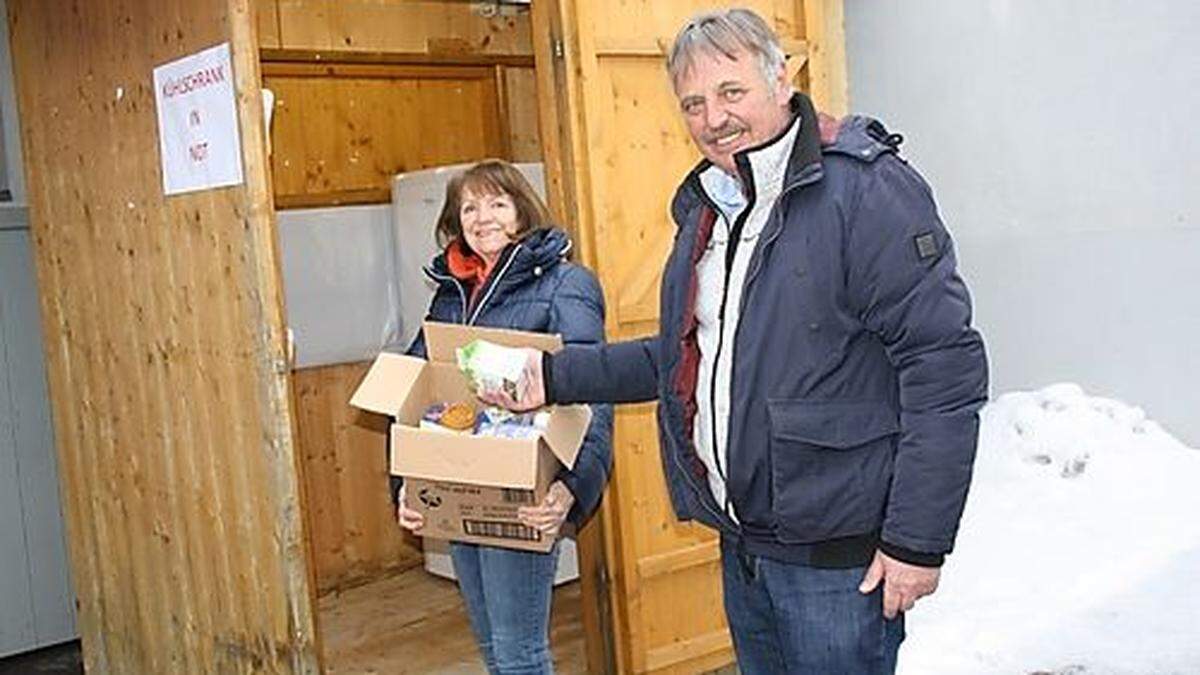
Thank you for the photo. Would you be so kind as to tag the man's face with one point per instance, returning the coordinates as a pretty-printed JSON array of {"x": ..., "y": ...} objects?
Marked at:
[{"x": 728, "y": 106}]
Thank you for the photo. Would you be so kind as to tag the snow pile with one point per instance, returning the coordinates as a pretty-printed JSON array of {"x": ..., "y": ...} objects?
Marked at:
[{"x": 1079, "y": 552}]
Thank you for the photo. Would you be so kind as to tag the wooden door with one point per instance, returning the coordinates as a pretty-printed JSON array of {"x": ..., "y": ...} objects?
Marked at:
[
  {"x": 165, "y": 352},
  {"x": 616, "y": 148}
]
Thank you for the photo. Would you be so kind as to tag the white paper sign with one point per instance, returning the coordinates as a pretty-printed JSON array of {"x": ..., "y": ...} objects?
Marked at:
[{"x": 197, "y": 122}]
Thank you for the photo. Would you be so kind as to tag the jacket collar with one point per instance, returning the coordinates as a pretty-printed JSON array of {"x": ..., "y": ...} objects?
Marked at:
[
  {"x": 761, "y": 170},
  {"x": 803, "y": 162},
  {"x": 520, "y": 261}
]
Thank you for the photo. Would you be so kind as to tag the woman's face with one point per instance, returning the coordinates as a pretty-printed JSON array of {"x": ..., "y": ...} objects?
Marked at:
[{"x": 489, "y": 222}]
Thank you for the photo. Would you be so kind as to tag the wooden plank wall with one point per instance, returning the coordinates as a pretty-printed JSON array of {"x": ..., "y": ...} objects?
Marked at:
[
  {"x": 342, "y": 131},
  {"x": 369, "y": 89},
  {"x": 164, "y": 341},
  {"x": 349, "y": 513},
  {"x": 623, "y": 149},
  {"x": 400, "y": 26}
]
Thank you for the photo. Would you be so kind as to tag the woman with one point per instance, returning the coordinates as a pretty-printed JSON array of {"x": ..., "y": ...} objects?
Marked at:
[{"x": 504, "y": 266}]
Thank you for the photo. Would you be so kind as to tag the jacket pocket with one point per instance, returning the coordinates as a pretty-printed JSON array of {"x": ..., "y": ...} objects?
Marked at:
[{"x": 831, "y": 467}]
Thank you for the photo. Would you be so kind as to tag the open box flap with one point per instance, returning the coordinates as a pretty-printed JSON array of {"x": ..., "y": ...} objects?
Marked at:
[
  {"x": 568, "y": 425},
  {"x": 387, "y": 383},
  {"x": 441, "y": 339}
]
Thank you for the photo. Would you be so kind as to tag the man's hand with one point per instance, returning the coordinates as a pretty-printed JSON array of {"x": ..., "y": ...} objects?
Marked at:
[
  {"x": 409, "y": 519},
  {"x": 903, "y": 583},
  {"x": 535, "y": 387},
  {"x": 548, "y": 516}
]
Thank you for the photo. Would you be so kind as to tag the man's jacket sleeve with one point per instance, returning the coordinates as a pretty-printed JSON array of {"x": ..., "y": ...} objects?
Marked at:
[
  {"x": 902, "y": 279},
  {"x": 619, "y": 372}
]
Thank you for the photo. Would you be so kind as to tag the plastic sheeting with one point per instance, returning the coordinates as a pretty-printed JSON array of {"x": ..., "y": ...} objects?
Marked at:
[{"x": 339, "y": 281}]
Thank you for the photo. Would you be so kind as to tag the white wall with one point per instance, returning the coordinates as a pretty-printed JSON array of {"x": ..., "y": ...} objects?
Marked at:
[{"x": 1060, "y": 139}]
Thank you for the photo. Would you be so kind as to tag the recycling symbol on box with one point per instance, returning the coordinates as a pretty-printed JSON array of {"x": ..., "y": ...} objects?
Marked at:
[{"x": 429, "y": 499}]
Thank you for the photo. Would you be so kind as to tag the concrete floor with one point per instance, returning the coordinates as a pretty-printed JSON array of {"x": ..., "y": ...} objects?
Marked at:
[{"x": 63, "y": 659}]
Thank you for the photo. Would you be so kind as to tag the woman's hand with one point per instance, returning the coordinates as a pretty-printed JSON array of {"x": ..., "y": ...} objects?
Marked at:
[
  {"x": 408, "y": 519},
  {"x": 548, "y": 516}
]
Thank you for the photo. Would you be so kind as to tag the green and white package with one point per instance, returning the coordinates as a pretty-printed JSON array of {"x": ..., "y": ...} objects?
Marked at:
[{"x": 493, "y": 367}]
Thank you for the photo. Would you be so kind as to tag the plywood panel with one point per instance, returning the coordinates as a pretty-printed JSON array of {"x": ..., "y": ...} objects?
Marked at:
[
  {"x": 353, "y": 530},
  {"x": 164, "y": 331},
  {"x": 404, "y": 26},
  {"x": 342, "y": 131}
]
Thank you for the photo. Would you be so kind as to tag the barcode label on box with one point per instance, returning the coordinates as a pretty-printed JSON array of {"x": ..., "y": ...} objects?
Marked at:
[
  {"x": 518, "y": 496},
  {"x": 500, "y": 530}
]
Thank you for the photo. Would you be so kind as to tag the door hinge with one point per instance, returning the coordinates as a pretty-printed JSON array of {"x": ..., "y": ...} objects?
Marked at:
[{"x": 558, "y": 48}]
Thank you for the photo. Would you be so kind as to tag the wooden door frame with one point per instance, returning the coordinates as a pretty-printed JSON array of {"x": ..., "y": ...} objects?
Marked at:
[{"x": 556, "y": 56}]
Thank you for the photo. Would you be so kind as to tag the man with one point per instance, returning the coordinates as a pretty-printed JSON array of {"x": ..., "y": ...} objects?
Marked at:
[{"x": 817, "y": 376}]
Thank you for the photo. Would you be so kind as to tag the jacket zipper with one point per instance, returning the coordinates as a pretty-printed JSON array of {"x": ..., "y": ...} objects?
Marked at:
[
  {"x": 804, "y": 179},
  {"x": 462, "y": 293},
  {"x": 491, "y": 288},
  {"x": 723, "y": 521},
  {"x": 721, "y": 517},
  {"x": 734, "y": 230},
  {"x": 775, "y": 217}
]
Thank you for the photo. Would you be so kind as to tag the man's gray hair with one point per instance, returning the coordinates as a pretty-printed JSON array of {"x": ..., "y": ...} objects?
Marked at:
[{"x": 726, "y": 32}]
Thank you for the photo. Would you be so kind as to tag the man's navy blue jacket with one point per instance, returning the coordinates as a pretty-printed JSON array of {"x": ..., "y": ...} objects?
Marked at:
[{"x": 857, "y": 377}]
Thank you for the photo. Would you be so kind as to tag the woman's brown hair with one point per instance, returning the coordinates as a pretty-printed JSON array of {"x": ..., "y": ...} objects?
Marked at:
[{"x": 492, "y": 176}]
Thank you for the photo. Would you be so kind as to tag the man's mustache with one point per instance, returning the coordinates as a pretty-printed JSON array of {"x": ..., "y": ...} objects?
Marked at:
[{"x": 723, "y": 131}]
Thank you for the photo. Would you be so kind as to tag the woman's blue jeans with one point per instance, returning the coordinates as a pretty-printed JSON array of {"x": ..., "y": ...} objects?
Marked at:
[{"x": 508, "y": 594}]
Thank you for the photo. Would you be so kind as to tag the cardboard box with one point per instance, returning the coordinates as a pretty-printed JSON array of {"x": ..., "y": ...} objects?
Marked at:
[{"x": 467, "y": 487}]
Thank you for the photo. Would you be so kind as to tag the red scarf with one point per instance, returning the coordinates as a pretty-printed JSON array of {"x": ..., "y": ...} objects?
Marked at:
[{"x": 467, "y": 266}]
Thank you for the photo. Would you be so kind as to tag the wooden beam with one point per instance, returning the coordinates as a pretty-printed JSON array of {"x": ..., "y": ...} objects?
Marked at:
[
  {"x": 340, "y": 198},
  {"x": 502, "y": 103},
  {"x": 680, "y": 559},
  {"x": 271, "y": 55},
  {"x": 383, "y": 71}
]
